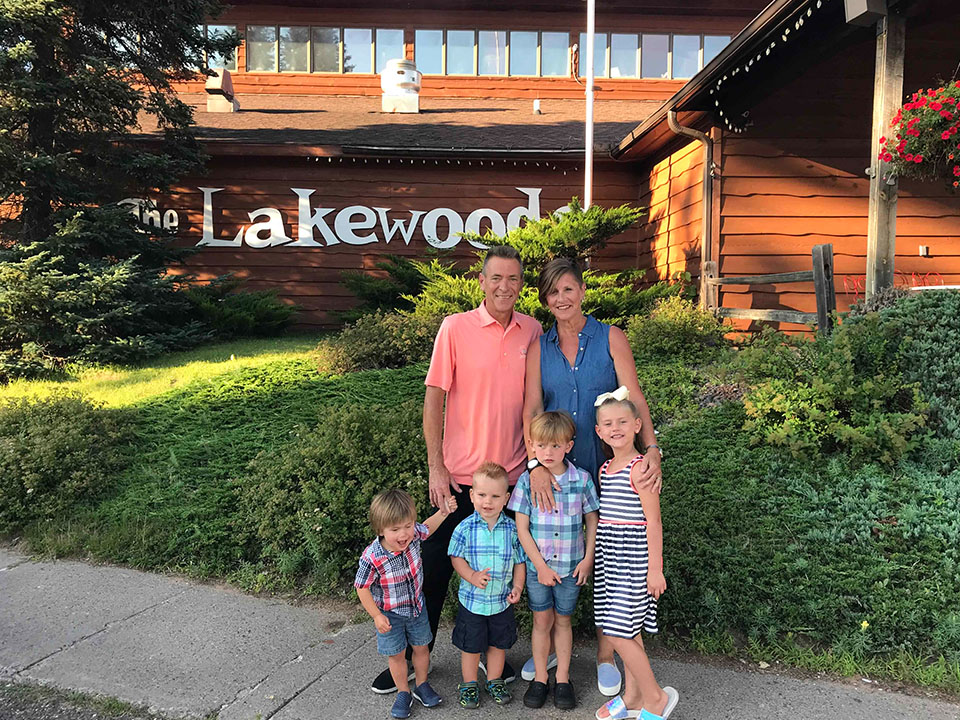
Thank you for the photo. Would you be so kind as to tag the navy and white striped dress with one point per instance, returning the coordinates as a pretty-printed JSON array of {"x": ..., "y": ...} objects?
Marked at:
[{"x": 622, "y": 607}]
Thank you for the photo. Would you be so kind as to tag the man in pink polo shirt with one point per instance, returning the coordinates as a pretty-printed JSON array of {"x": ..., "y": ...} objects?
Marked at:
[{"x": 478, "y": 367}]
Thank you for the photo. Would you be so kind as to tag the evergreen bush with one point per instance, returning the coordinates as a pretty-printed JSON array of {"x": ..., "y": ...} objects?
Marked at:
[
  {"x": 307, "y": 501},
  {"x": 55, "y": 453},
  {"x": 676, "y": 330},
  {"x": 382, "y": 340},
  {"x": 231, "y": 314}
]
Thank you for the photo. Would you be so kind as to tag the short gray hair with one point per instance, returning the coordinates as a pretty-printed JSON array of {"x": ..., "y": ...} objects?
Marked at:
[{"x": 507, "y": 252}]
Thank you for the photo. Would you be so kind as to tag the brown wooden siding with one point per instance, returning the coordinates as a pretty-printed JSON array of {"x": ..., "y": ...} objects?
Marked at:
[
  {"x": 796, "y": 179},
  {"x": 460, "y": 86},
  {"x": 310, "y": 277},
  {"x": 672, "y": 192}
]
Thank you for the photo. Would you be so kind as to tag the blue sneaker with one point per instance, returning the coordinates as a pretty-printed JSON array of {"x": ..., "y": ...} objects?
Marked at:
[
  {"x": 608, "y": 679},
  {"x": 401, "y": 706},
  {"x": 529, "y": 671},
  {"x": 426, "y": 695}
]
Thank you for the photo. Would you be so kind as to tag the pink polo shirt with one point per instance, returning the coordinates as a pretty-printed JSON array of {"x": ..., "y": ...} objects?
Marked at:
[{"x": 481, "y": 366}]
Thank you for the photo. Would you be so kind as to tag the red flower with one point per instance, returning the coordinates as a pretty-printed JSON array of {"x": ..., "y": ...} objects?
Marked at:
[
  {"x": 883, "y": 141},
  {"x": 918, "y": 158},
  {"x": 950, "y": 156},
  {"x": 931, "y": 92},
  {"x": 908, "y": 157},
  {"x": 955, "y": 183},
  {"x": 945, "y": 135},
  {"x": 947, "y": 114},
  {"x": 956, "y": 170},
  {"x": 936, "y": 106}
]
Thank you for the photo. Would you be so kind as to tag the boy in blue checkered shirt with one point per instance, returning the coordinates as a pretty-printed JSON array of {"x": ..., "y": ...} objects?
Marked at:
[
  {"x": 486, "y": 553},
  {"x": 559, "y": 554}
]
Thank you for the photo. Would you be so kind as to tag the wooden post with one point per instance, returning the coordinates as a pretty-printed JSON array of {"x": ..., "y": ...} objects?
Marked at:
[
  {"x": 708, "y": 290},
  {"x": 887, "y": 96},
  {"x": 823, "y": 286}
]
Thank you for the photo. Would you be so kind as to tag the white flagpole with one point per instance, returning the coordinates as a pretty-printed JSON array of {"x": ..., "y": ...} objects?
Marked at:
[{"x": 588, "y": 134}]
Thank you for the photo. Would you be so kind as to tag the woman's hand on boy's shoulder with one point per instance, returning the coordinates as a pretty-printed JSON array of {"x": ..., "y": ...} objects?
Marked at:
[
  {"x": 542, "y": 486},
  {"x": 656, "y": 584}
]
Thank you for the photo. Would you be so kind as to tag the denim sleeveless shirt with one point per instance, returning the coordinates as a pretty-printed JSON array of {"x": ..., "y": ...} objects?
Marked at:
[{"x": 574, "y": 389}]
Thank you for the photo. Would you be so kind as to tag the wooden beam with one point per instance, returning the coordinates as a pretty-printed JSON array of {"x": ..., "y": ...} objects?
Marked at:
[
  {"x": 787, "y": 277},
  {"x": 823, "y": 286},
  {"x": 887, "y": 96},
  {"x": 790, "y": 316}
]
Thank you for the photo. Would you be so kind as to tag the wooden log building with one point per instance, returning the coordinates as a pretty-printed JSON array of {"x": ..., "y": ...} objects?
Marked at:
[{"x": 310, "y": 178}]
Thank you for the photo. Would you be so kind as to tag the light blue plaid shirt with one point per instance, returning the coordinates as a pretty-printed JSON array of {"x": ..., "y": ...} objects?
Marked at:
[
  {"x": 559, "y": 532},
  {"x": 498, "y": 549}
]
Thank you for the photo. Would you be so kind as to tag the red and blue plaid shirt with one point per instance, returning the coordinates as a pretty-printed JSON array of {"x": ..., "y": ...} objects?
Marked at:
[{"x": 395, "y": 579}]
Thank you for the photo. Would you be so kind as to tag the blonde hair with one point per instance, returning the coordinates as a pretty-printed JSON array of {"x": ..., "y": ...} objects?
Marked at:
[
  {"x": 552, "y": 427},
  {"x": 391, "y": 507},
  {"x": 493, "y": 471},
  {"x": 628, "y": 404}
]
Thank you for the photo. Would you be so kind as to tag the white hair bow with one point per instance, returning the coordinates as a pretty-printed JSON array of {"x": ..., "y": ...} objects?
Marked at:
[{"x": 620, "y": 394}]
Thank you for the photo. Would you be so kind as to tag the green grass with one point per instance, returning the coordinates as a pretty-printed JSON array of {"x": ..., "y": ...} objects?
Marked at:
[
  {"x": 124, "y": 386},
  {"x": 21, "y": 695}
]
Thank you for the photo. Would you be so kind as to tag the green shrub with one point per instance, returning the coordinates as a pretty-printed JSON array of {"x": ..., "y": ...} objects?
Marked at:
[
  {"x": 230, "y": 314},
  {"x": 759, "y": 546},
  {"x": 400, "y": 277},
  {"x": 55, "y": 454},
  {"x": 839, "y": 392},
  {"x": 677, "y": 330},
  {"x": 307, "y": 501},
  {"x": 929, "y": 322},
  {"x": 382, "y": 340}
]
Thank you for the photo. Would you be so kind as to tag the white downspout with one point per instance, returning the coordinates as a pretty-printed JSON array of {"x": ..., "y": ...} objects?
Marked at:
[{"x": 706, "y": 235}]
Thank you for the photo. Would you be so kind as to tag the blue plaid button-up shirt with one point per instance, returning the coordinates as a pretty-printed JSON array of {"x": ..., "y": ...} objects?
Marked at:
[
  {"x": 498, "y": 549},
  {"x": 559, "y": 532}
]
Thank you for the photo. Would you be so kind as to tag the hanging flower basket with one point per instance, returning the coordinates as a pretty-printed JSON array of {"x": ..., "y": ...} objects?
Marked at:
[{"x": 926, "y": 136}]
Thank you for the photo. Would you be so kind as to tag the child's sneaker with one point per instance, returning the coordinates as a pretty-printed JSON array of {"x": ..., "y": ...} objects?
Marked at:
[
  {"x": 469, "y": 693},
  {"x": 401, "y": 706},
  {"x": 499, "y": 691},
  {"x": 426, "y": 695}
]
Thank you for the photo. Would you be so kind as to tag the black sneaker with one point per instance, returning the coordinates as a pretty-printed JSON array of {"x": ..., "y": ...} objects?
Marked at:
[
  {"x": 383, "y": 683},
  {"x": 509, "y": 674},
  {"x": 563, "y": 696},
  {"x": 536, "y": 694}
]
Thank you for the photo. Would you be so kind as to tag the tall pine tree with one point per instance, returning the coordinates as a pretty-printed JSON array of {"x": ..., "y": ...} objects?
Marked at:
[{"x": 79, "y": 276}]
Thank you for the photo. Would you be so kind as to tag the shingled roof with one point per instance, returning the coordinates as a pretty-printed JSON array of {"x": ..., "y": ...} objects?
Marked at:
[{"x": 442, "y": 126}]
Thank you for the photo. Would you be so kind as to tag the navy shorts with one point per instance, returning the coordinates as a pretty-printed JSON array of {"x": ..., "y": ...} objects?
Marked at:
[
  {"x": 475, "y": 633},
  {"x": 561, "y": 597},
  {"x": 404, "y": 631}
]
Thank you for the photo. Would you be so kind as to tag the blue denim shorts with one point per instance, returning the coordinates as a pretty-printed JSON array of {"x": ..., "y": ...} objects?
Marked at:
[
  {"x": 403, "y": 631},
  {"x": 561, "y": 597}
]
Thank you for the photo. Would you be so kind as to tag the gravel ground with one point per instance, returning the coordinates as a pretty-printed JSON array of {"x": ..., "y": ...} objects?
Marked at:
[{"x": 32, "y": 702}]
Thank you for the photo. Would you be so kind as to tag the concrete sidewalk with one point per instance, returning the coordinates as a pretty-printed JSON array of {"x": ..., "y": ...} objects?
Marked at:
[{"x": 184, "y": 648}]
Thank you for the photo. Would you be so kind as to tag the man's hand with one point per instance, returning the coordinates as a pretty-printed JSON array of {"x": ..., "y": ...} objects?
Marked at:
[
  {"x": 450, "y": 506},
  {"x": 480, "y": 578},
  {"x": 647, "y": 475},
  {"x": 382, "y": 623},
  {"x": 542, "y": 485},
  {"x": 513, "y": 597},
  {"x": 583, "y": 570},
  {"x": 547, "y": 576},
  {"x": 656, "y": 584},
  {"x": 441, "y": 481}
]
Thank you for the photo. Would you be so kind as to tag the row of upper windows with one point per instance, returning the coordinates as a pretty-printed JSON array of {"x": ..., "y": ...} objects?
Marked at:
[{"x": 281, "y": 48}]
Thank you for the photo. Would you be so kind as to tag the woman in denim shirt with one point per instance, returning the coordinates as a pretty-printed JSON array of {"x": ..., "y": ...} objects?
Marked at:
[{"x": 567, "y": 368}]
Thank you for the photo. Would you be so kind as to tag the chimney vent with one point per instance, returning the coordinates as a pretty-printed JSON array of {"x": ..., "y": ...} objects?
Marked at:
[{"x": 400, "y": 82}]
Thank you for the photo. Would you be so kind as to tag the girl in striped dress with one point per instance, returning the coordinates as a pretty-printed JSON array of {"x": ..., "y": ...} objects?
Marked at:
[{"x": 629, "y": 563}]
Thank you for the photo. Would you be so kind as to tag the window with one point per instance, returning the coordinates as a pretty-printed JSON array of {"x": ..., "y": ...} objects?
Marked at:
[
  {"x": 215, "y": 60},
  {"x": 623, "y": 55},
  {"x": 326, "y": 49},
  {"x": 523, "y": 53},
  {"x": 492, "y": 52},
  {"x": 599, "y": 55},
  {"x": 654, "y": 56},
  {"x": 686, "y": 55},
  {"x": 261, "y": 48},
  {"x": 389, "y": 47},
  {"x": 554, "y": 54},
  {"x": 712, "y": 45},
  {"x": 460, "y": 52},
  {"x": 428, "y": 51},
  {"x": 294, "y": 49},
  {"x": 357, "y": 50}
]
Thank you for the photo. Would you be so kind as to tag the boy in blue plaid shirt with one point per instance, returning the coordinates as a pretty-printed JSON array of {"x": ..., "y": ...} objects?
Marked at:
[
  {"x": 559, "y": 557},
  {"x": 486, "y": 553}
]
